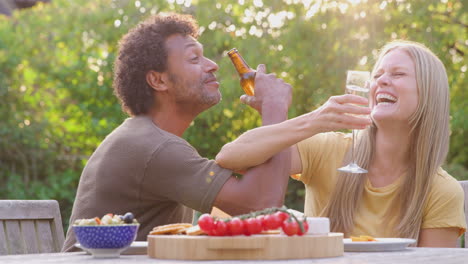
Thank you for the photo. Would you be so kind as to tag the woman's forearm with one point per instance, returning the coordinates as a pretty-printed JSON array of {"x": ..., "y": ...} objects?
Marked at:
[{"x": 256, "y": 146}]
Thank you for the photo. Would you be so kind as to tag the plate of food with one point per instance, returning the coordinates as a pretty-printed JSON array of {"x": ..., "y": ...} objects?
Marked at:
[{"x": 371, "y": 244}]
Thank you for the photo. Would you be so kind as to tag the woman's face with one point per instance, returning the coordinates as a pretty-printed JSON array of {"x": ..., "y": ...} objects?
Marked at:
[{"x": 394, "y": 93}]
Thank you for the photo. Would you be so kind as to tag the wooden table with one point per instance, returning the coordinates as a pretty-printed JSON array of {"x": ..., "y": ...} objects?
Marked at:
[{"x": 413, "y": 255}]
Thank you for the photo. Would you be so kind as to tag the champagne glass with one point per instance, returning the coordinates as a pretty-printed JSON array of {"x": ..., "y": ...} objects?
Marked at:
[{"x": 357, "y": 83}]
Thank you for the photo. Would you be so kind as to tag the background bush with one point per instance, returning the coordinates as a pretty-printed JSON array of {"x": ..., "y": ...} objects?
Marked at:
[{"x": 56, "y": 74}]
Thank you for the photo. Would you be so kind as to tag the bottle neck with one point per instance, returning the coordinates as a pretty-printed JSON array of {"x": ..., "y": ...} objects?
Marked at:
[{"x": 241, "y": 66}]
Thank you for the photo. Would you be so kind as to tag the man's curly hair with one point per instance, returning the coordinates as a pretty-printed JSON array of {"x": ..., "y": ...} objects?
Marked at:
[{"x": 143, "y": 49}]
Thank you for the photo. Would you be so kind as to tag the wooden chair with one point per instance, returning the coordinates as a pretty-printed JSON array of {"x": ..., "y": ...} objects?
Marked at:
[
  {"x": 464, "y": 185},
  {"x": 30, "y": 226}
]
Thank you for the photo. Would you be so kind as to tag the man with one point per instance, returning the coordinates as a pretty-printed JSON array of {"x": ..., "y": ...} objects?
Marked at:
[{"x": 144, "y": 166}]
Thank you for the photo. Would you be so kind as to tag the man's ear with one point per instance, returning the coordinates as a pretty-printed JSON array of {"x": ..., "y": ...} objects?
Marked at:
[{"x": 157, "y": 80}]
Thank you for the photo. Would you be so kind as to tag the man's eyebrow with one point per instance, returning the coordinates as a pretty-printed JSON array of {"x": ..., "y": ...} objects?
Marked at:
[{"x": 193, "y": 44}]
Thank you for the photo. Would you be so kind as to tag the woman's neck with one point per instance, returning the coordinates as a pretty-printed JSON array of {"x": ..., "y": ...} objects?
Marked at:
[{"x": 391, "y": 157}]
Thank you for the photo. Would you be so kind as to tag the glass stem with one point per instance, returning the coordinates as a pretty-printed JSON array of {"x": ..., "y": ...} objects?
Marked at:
[{"x": 352, "y": 147}]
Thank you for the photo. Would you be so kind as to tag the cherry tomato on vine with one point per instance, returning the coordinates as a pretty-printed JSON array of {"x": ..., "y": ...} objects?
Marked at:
[
  {"x": 254, "y": 226},
  {"x": 262, "y": 221},
  {"x": 272, "y": 222},
  {"x": 236, "y": 226},
  {"x": 220, "y": 228},
  {"x": 290, "y": 227},
  {"x": 282, "y": 216},
  {"x": 206, "y": 223},
  {"x": 306, "y": 228}
]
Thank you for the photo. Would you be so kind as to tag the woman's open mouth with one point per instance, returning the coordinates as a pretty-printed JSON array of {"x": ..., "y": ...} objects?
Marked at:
[{"x": 385, "y": 99}]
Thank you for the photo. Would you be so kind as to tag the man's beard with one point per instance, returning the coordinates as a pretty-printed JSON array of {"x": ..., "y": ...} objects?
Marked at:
[{"x": 190, "y": 93}]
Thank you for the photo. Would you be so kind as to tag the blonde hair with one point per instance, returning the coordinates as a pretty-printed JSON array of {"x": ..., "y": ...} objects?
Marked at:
[{"x": 429, "y": 138}]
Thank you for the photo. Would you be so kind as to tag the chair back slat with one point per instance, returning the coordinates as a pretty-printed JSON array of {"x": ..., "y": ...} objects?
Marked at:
[
  {"x": 3, "y": 242},
  {"x": 15, "y": 243},
  {"x": 44, "y": 231},
  {"x": 464, "y": 185},
  {"x": 28, "y": 231},
  {"x": 30, "y": 226}
]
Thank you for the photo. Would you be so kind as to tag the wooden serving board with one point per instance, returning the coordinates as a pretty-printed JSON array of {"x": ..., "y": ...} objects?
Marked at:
[{"x": 185, "y": 247}]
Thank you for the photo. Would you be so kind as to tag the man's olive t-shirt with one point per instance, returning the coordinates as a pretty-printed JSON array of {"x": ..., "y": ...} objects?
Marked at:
[{"x": 142, "y": 169}]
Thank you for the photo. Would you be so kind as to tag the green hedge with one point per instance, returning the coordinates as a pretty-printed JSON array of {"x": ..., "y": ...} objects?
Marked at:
[{"x": 56, "y": 74}]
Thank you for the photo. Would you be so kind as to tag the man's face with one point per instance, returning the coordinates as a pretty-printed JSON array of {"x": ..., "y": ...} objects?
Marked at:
[{"x": 191, "y": 75}]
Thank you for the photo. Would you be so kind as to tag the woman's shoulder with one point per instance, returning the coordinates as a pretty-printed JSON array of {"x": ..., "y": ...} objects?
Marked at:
[
  {"x": 444, "y": 177},
  {"x": 444, "y": 206},
  {"x": 446, "y": 184}
]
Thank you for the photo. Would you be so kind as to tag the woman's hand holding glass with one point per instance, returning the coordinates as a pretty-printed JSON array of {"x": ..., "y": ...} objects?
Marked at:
[{"x": 341, "y": 112}]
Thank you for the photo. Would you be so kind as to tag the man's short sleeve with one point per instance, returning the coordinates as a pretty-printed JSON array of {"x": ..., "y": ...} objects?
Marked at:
[
  {"x": 177, "y": 172},
  {"x": 444, "y": 207}
]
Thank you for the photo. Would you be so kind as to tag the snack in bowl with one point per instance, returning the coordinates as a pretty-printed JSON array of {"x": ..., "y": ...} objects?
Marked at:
[{"x": 107, "y": 236}]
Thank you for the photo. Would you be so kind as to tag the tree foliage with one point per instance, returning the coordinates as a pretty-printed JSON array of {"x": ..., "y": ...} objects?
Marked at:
[{"x": 56, "y": 73}]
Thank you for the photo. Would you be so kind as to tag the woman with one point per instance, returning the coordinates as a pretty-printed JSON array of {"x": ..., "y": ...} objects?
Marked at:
[{"x": 405, "y": 192}]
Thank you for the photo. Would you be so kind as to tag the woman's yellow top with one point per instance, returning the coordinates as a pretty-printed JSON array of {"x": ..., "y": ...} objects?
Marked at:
[{"x": 321, "y": 156}]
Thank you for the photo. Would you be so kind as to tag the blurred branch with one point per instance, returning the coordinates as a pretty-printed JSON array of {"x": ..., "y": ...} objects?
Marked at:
[
  {"x": 458, "y": 50},
  {"x": 450, "y": 19}
]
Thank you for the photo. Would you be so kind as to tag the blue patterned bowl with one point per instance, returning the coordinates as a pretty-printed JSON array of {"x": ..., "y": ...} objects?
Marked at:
[{"x": 106, "y": 236}]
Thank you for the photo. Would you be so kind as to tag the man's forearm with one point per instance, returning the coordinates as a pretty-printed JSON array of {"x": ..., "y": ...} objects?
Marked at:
[
  {"x": 274, "y": 113},
  {"x": 276, "y": 177},
  {"x": 260, "y": 187},
  {"x": 272, "y": 176}
]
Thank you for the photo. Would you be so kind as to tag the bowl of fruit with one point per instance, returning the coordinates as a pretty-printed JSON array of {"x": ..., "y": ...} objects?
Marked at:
[{"x": 106, "y": 237}]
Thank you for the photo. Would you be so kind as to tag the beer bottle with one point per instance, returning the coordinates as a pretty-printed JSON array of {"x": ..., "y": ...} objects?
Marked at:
[{"x": 247, "y": 75}]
